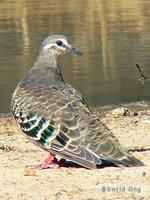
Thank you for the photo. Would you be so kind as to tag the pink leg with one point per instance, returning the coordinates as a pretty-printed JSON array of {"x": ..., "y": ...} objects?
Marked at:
[{"x": 48, "y": 163}]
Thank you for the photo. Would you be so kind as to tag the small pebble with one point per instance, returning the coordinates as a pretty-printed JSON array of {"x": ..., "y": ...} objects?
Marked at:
[{"x": 29, "y": 172}]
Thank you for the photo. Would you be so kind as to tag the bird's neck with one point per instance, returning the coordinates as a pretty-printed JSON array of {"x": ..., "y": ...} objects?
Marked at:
[
  {"x": 48, "y": 59},
  {"x": 48, "y": 65}
]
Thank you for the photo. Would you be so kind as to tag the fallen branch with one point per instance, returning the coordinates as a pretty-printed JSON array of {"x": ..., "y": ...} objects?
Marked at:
[{"x": 141, "y": 73}]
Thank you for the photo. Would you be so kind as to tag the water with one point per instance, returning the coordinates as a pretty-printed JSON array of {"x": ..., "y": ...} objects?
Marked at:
[{"x": 113, "y": 36}]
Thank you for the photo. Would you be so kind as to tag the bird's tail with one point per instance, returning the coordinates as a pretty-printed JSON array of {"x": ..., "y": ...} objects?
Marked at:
[
  {"x": 128, "y": 161},
  {"x": 135, "y": 162}
]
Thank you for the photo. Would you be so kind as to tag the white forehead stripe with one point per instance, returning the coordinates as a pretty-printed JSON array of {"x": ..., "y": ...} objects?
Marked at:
[
  {"x": 48, "y": 46},
  {"x": 52, "y": 44}
]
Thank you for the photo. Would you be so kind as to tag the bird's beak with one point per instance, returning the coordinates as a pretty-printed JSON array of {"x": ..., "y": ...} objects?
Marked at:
[{"x": 75, "y": 51}]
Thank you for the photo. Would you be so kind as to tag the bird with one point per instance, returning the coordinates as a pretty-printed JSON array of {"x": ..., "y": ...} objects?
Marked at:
[{"x": 53, "y": 115}]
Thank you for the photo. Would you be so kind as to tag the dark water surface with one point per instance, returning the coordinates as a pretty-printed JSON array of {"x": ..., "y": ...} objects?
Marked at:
[{"x": 113, "y": 36}]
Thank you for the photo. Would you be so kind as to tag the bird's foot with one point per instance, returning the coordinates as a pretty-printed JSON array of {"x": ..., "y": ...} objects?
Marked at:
[{"x": 49, "y": 162}]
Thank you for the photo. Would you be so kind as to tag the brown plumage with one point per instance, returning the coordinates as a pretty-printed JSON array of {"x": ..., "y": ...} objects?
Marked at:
[{"x": 54, "y": 116}]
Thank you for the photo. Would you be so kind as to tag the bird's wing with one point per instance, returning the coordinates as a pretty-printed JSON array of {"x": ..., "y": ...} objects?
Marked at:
[{"x": 53, "y": 120}]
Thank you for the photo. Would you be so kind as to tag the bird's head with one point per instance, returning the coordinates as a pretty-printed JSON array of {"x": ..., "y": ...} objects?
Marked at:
[{"x": 57, "y": 45}]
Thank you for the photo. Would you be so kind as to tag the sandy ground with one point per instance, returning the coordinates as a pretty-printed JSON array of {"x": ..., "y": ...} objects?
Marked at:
[{"x": 107, "y": 183}]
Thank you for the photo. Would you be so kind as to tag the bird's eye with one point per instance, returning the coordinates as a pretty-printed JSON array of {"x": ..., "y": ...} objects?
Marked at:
[{"x": 59, "y": 43}]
